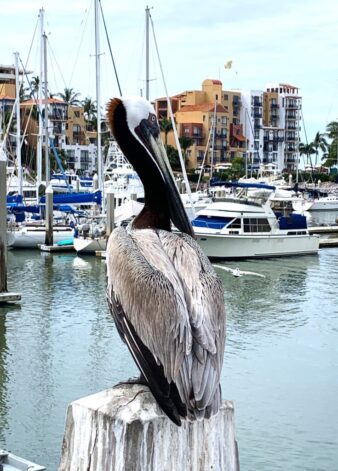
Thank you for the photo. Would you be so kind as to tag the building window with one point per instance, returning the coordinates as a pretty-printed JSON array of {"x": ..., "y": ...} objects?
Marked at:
[{"x": 77, "y": 114}]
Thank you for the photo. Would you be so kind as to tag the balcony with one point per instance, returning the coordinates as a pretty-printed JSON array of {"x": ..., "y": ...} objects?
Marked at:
[
  {"x": 291, "y": 149},
  {"x": 274, "y": 106},
  {"x": 291, "y": 160},
  {"x": 292, "y": 116}
]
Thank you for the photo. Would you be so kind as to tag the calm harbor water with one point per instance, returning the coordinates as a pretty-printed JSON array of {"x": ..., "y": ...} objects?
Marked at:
[{"x": 280, "y": 362}]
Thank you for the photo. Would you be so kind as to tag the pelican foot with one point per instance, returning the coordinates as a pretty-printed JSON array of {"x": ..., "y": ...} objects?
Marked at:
[{"x": 136, "y": 380}]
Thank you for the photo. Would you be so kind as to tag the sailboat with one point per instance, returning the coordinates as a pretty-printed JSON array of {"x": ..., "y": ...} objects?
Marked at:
[
  {"x": 33, "y": 233},
  {"x": 92, "y": 236}
]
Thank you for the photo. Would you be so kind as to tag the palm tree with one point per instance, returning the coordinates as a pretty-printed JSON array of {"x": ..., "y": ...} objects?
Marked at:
[
  {"x": 331, "y": 158},
  {"x": 319, "y": 143},
  {"x": 185, "y": 143},
  {"x": 34, "y": 86},
  {"x": 308, "y": 150},
  {"x": 89, "y": 108},
  {"x": 70, "y": 97},
  {"x": 166, "y": 126}
]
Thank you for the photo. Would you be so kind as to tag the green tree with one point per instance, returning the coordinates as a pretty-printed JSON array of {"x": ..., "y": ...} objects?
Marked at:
[
  {"x": 308, "y": 150},
  {"x": 238, "y": 166},
  {"x": 185, "y": 143},
  {"x": 331, "y": 157},
  {"x": 319, "y": 143},
  {"x": 70, "y": 97},
  {"x": 173, "y": 157},
  {"x": 34, "y": 86},
  {"x": 89, "y": 108},
  {"x": 166, "y": 126}
]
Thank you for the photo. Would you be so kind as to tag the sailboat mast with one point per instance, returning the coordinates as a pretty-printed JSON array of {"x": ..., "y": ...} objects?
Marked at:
[
  {"x": 98, "y": 99},
  {"x": 39, "y": 147},
  {"x": 17, "y": 112},
  {"x": 147, "y": 52},
  {"x": 47, "y": 166}
]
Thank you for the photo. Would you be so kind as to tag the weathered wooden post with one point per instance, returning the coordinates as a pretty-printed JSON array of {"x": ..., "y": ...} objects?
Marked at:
[
  {"x": 123, "y": 429},
  {"x": 110, "y": 212},
  {"x": 49, "y": 216},
  {"x": 3, "y": 222},
  {"x": 5, "y": 296}
]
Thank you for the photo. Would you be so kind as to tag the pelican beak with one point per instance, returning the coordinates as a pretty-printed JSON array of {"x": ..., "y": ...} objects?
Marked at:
[{"x": 148, "y": 133}]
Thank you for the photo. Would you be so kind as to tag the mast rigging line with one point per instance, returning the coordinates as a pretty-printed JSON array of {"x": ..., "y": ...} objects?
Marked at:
[
  {"x": 110, "y": 49},
  {"x": 52, "y": 56},
  {"x": 31, "y": 46},
  {"x": 185, "y": 177},
  {"x": 81, "y": 41}
]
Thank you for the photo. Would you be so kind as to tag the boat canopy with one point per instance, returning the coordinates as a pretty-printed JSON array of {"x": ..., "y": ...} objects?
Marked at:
[{"x": 242, "y": 185}]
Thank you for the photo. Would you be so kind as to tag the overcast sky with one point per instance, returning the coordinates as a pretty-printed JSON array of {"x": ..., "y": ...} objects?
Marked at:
[{"x": 294, "y": 41}]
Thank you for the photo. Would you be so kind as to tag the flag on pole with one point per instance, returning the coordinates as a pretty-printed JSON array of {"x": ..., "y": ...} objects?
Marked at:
[{"x": 228, "y": 65}]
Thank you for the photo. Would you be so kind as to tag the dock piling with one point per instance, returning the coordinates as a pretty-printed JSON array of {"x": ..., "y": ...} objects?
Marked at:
[
  {"x": 110, "y": 212},
  {"x": 3, "y": 222},
  {"x": 123, "y": 428},
  {"x": 49, "y": 216}
]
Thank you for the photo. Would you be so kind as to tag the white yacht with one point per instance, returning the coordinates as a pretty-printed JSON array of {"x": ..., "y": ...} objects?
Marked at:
[
  {"x": 31, "y": 235},
  {"x": 70, "y": 181},
  {"x": 323, "y": 203},
  {"x": 246, "y": 229}
]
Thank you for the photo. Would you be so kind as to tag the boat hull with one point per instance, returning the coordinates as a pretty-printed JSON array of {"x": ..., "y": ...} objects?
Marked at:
[
  {"x": 31, "y": 238},
  {"x": 254, "y": 246},
  {"x": 324, "y": 205},
  {"x": 90, "y": 245}
]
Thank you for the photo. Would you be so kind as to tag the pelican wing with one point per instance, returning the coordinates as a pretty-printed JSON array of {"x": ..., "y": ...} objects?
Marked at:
[
  {"x": 200, "y": 372},
  {"x": 160, "y": 319}
]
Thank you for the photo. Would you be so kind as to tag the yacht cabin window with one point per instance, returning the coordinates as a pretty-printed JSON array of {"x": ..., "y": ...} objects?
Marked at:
[{"x": 256, "y": 225}]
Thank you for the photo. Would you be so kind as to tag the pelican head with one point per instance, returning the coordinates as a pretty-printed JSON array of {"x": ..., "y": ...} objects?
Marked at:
[{"x": 135, "y": 127}]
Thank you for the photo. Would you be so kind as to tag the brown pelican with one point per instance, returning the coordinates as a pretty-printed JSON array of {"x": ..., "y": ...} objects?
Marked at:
[{"x": 164, "y": 295}]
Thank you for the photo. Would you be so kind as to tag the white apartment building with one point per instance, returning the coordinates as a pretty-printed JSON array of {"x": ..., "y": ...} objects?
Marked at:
[
  {"x": 271, "y": 125},
  {"x": 282, "y": 115}
]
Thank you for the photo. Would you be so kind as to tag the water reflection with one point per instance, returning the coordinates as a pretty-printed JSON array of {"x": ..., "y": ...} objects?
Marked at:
[
  {"x": 265, "y": 305},
  {"x": 280, "y": 354},
  {"x": 3, "y": 377}
]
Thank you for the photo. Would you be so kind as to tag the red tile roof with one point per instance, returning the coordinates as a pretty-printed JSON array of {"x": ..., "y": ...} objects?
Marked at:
[{"x": 50, "y": 100}]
